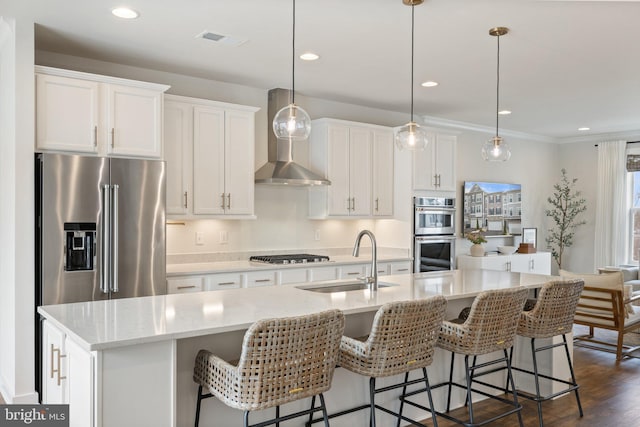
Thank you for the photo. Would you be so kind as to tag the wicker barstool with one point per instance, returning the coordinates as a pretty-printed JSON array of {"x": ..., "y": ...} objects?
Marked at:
[
  {"x": 402, "y": 339},
  {"x": 282, "y": 360},
  {"x": 490, "y": 327},
  {"x": 551, "y": 316}
]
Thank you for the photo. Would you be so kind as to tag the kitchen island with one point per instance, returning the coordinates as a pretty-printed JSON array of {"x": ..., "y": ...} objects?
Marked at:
[{"x": 129, "y": 361}]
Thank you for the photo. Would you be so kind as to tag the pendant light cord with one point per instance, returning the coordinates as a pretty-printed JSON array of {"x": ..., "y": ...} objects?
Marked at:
[
  {"x": 293, "y": 57},
  {"x": 412, "y": 36},
  {"x": 498, "y": 86}
]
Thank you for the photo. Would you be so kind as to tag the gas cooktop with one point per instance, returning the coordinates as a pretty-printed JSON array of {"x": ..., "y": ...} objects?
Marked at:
[{"x": 289, "y": 258}]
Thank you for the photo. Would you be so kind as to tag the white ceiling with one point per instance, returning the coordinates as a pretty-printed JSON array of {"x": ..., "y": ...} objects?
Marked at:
[{"x": 564, "y": 64}]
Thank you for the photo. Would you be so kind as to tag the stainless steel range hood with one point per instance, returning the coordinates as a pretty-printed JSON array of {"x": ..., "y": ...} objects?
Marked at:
[{"x": 280, "y": 168}]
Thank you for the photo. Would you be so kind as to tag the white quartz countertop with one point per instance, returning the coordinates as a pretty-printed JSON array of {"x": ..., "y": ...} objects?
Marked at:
[
  {"x": 246, "y": 265},
  {"x": 101, "y": 325}
]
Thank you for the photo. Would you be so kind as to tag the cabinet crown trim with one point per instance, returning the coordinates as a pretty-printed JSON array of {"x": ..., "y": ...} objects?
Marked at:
[
  {"x": 210, "y": 103},
  {"x": 40, "y": 69}
]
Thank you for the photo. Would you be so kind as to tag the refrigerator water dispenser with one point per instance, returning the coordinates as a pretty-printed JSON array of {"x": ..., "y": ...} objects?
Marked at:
[{"x": 80, "y": 246}]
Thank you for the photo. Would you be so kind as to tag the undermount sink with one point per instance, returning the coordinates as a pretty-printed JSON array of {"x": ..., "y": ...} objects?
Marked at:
[{"x": 341, "y": 287}]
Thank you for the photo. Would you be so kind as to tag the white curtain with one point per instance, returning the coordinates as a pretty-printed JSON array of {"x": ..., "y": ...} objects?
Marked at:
[{"x": 611, "y": 205}]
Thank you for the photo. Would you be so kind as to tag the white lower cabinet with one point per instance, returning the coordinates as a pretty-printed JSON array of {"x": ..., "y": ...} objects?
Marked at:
[
  {"x": 217, "y": 282},
  {"x": 352, "y": 271},
  {"x": 260, "y": 278},
  {"x": 320, "y": 274},
  {"x": 536, "y": 263},
  {"x": 402, "y": 267},
  {"x": 293, "y": 276},
  {"x": 68, "y": 373},
  {"x": 181, "y": 285}
]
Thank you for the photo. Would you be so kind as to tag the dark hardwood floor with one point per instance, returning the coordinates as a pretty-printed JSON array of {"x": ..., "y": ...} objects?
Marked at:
[{"x": 609, "y": 392}]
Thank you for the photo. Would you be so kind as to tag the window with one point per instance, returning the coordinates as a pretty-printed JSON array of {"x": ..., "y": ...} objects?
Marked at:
[{"x": 634, "y": 216}]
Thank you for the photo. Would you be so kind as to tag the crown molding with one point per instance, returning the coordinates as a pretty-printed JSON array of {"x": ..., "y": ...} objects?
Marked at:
[
  {"x": 631, "y": 135},
  {"x": 454, "y": 124}
]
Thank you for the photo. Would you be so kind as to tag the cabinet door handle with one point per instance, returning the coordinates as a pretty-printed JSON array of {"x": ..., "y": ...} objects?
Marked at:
[
  {"x": 95, "y": 136},
  {"x": 187, "y": 287},
  {"x": 439, "y": 180},
  {"x": 222, "y": 205},
  {"x": 229, "y": 201},
  {"x": 377, "y": 204},
  {"x": 58, "y": 370},
  {"x": 435, "y": 180},
  {"x": 531, "y": 264},
  {"x": 354, "y": 204},
  {"x": 113, "y": 137},
  {"x": 185, "y": 199},
  {"x": 226, "y": 283}
]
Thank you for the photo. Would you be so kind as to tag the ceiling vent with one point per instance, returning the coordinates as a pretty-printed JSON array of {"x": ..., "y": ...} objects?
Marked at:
[{"x": 221, "y": 38}]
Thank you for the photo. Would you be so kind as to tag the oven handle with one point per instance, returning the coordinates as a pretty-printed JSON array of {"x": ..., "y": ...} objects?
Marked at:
[
  {"x": 434, "y": 209},
  {"x": 434, "y": 238}
]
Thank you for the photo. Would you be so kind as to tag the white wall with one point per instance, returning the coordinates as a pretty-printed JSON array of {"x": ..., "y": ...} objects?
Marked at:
[{"x": 16, "y": 211}]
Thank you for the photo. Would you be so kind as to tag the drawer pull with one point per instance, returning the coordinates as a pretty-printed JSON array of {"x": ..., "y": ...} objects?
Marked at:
[
  {"x": 262, "y": 280},
  {"x": 226, "y": 283},
  {"x": 403, "y": 269},
  {"x": 187, "y": 287},
  {"x": 353, "y": 273}
]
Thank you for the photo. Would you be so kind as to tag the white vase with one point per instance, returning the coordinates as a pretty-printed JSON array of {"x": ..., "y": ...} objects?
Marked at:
[{"x": 477, "y": 250}]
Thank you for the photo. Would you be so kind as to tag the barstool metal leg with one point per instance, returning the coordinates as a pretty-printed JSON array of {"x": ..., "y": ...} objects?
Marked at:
[
  {"x": 325, "y": 415},
  {"x": 469, "y": 398},
  {"x": 430, "y": 397},
  {"x": 246, "y": 419},
  {"x": 453, "y": 355},
  {"x": 198, "y": 406},
  {"x": 404, "y": 391},
  {"x": 573, "y": 376},
  {"x": 313, "y": 405},
  {"x": 513, "y": 387},
  {"x": 372, "y": 402},
  {"x": 536, "y": 380},
  {"x": 278, "y": 415}
]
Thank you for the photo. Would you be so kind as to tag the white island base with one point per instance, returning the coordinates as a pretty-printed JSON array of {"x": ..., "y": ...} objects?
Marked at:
[{"x": 129, "y": 362}]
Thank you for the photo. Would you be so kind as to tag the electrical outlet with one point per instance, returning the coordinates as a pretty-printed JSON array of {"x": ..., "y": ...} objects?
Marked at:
[
  {"x": 224, "y": 237},
  {"x": 317, "y": 235},
  {"x": 199, "y": 238}
]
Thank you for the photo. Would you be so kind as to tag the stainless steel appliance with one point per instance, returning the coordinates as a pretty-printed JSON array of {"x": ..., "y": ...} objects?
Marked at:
[
  {"x": 434, "y": 216},
  {"x": 434, "y": 234},
  {"x": 100, "y": 230},
  {"x": 289, "y": 258}
]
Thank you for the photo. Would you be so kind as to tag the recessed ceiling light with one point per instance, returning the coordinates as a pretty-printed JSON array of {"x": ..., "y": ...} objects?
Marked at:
[
  {"x": 309, "y": 56},
  {"x": 125, "y": 13},
  {"x": 504, "y": 112},
  {"x": 430, "y": 84},
  {"x": 584, "y": 129}
]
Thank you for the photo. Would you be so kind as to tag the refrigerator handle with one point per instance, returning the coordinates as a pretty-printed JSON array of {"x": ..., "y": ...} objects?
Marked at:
[
  {"x": 114, "y": 242},
  {"x": 105, "y": 269}
]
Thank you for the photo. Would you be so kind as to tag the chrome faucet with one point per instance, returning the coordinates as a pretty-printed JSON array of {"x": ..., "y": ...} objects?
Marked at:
[{"x": 372, "y": 280}]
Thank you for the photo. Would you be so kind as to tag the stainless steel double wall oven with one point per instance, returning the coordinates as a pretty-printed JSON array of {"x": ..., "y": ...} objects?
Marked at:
[{"x": 434, "y": 233}]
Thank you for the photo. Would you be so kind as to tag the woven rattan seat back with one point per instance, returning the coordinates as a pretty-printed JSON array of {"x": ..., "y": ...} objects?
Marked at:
[
  {"x": 554, "y": 311},
  {"x": 491, "y": 325},
  {"x": 402, "y": 338},
  {"x": 282, "y": 360}
]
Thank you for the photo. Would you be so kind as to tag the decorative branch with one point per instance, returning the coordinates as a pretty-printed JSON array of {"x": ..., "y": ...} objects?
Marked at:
[{"x": 566, "y": 204}]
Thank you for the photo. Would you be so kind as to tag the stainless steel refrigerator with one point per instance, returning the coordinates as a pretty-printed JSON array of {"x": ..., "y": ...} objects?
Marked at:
[{"x": 100, "y": 230}]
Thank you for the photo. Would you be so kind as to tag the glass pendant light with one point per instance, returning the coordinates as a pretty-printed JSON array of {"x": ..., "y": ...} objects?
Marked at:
[
  {"x": 495, "y": 149},
  {"x": 292, "y": 122},
  {"x": 411, "y": 136}
]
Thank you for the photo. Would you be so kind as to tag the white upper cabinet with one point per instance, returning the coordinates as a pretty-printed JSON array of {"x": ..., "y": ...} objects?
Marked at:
[
  {"x": 88, "y": 113},
  {"x": 67, "y": 114},
  {"x": 134, "y": 121},
  {"x": 383, "y": 182},
  {"x": 178, "y": 152},
  {"x": 435, "y": 167},
  {"x": 210, "y": 158},
  {"x": 350, "y": 155}
]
